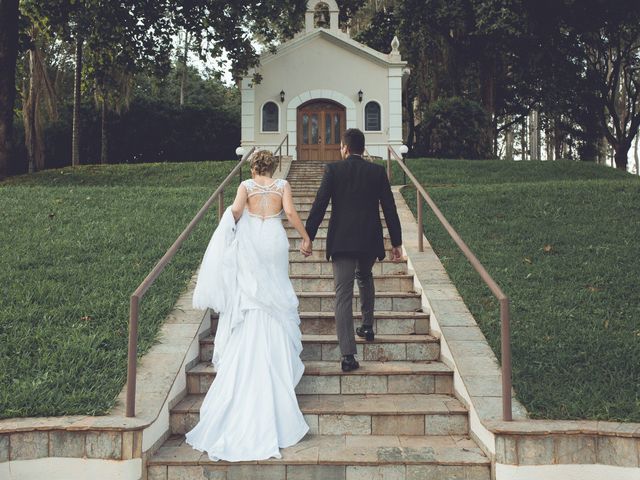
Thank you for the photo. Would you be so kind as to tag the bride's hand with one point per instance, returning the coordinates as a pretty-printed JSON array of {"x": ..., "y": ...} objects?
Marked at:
[{"x": 306, "y": 247}]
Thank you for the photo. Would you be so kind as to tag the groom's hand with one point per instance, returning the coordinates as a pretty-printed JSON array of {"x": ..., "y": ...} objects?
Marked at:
[
  {"x": 306, "y": 248},
  {"x": 396, "y": 254}
]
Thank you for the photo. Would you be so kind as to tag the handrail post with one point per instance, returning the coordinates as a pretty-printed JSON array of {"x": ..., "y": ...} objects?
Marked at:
[
  {"x": 220, "y": 205},
  {"x": 287, "y": 144},
  {"x": 389, "y": 164},
  {"x": 506, "y": 359},
  {"x": 420, "y": 221},
  {"x": 133, "y": 356}
]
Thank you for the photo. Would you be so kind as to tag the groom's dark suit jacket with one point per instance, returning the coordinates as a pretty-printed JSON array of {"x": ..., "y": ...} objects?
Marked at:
[{"x": 356, "y": 189}]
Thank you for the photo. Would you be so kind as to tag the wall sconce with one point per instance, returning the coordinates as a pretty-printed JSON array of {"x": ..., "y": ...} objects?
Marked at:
[
  {"x": 360, "y": 95},
  {"x": 282, "y": 95}
]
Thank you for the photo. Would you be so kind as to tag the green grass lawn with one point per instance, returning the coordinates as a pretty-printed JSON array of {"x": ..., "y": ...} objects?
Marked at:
[
  {"x": 74, "y": 245},
  {"x": 561, "y": 239}
]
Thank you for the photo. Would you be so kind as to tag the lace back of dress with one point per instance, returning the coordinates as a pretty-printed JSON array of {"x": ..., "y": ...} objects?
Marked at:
[{"x": 264, "y": 201}]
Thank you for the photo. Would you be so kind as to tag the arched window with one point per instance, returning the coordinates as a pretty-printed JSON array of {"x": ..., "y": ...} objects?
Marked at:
[
  {"x": 372, "y": 117},
  {"x": 270, "y": 117},
  {"x": 321, "y": 17}
]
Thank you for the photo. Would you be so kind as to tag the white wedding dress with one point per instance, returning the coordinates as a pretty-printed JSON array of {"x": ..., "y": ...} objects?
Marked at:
[{"x": 251, "y": 409}]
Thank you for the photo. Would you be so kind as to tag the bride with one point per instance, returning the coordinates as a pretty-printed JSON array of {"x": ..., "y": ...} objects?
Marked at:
[{"x": 251, "y": 409}]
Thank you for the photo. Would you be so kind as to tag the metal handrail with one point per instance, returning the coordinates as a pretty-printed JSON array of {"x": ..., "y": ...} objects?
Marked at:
[
  {"x": 157, "y": 270},
  {"x": 493, "y": 286},
  {"x": 279, "y": 149},
  {"x": 366, "y": 155}
]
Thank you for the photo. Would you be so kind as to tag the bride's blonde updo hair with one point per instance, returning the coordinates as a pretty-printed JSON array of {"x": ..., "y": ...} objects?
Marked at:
[{"x": 263, "y": 162}]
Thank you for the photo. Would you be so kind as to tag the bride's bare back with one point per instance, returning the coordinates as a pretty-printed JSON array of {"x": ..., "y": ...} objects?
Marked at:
[{"x": 265, "y": 200}]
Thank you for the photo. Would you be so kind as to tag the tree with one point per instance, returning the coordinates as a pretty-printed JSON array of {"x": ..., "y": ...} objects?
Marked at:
[
  {"x": 113, "y": 41},
  {"x": 38, "y": 90},
  {"x": 8, "y": 54},
  {"x": 613, "y": 59},
  {"x": 218, "y": 28},
  {"x": 66, "y": 21}
]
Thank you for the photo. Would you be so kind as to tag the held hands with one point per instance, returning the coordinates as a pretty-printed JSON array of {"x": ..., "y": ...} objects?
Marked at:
[
  {"x": 306, "y": 247},
  {"x": 396, "y": 254}
]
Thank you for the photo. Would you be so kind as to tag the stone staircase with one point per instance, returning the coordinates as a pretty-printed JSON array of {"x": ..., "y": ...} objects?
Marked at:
[{"x": 394, "y": 418}]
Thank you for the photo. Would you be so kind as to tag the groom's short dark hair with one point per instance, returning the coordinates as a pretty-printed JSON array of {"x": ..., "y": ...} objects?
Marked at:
[{"x": 354, "y": 140}]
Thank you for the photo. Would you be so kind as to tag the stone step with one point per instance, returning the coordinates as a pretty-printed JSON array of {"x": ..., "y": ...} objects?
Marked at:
[
  {"x": 320, "y": 235},
  {"x": 333, "y": 457},
  {"x": 323, "y": 229},
  {"x": 327, "y": 378},
  {"x": 304, "y": 207},
  {"x": 318, "y": 254},
  {"x": 309, "y": 165},
  {"x": 384, "y": 348},
  {"x": 389, "y": 301},
  {"x": 314, "y": 167},
  {"x": 384, "y": 323},
  {"x": 324, "y": 283},
  {"x": 391, "y": 414},
  {"x": 321, "y": 242},
  {"x": 322, "y": 267},
  {"x": 304, "y": 215},
  {"x": 304, "y": 192},
  {"x": 323, "y": 224}
]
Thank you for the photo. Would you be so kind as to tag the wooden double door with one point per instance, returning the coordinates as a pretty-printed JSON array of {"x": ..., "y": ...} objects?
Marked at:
[{"x": 321, "y": 124}]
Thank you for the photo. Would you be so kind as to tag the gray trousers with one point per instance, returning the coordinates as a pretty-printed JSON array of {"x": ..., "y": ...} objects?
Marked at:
[{"x": 345, "y": 270}]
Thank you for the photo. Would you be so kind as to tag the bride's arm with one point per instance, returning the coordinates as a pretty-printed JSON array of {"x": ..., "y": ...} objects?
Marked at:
[
  {"x": 239, "y": 203},
  {"x": 292, "y": 214}
]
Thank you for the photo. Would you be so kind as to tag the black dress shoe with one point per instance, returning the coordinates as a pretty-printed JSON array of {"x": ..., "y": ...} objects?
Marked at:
[
  {"x": 366, "y": 332},
  {"x": 349, "y": 363}
]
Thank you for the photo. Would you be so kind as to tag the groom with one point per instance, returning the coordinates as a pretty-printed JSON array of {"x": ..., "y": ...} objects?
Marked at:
[{"x": 356, "y": 189}]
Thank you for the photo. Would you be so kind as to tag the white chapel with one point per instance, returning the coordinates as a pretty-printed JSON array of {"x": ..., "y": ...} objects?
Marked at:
[{"x": 318, "y": 84}]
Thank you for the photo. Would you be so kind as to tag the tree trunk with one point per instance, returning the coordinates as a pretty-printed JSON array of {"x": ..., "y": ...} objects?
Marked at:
[
  {"x": 184, "y": 67},
  {"x": 534, "y": 134},
  {"x": 8, "y": 57},
  {"x": 34, "y": 141},
  {"x": 549, "y": 143},
  {"x": 104, "y": 139},
  {"x": 603, "y": 145},
  {"x": 621, "y": 155},
  {"x": 487, "y": 87},
  {"x": 77, "y": 97},
  {"x": 557, "y": 140},
  {"x": 524, "y": 138},
  {"x": 635, "y": 154},
  {"x": 411, "y": 119},
  {"x": 509, "y": 139}
]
